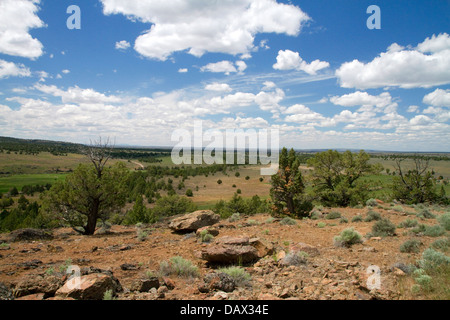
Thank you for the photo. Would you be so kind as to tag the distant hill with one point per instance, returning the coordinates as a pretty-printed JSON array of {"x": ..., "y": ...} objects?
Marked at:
[
  {"x": 37, "y": 145},
  {"x": 135, "y": 152}
]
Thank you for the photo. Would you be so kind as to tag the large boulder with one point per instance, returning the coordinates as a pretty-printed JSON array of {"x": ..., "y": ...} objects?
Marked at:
[
  {"x": 89, "y": 287},
  {"x": 193, "y": 221},
  {"x": 229, "y": 250},
  {"x": 29, "y": 234},
  {"x": 34, "y": 284}
]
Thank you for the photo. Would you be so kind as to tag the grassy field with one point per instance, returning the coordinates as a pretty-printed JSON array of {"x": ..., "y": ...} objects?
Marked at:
[
  {"x": 440, "y": 167},
  {"x": 20, "y": 169},
  {"x": 43, "y": 163},
  {"x": 20, "y": 180},
  {"x": 17, "y": 170},
  {"x": 209, "y": 191}
]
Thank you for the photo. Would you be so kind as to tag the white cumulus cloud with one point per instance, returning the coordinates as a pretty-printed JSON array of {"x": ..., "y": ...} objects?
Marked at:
[
  {"x": 17, "y": 18},
  {"x": 364, "y": 99},
  {"x": 224, "y": 66},
  {"x": 10, "y": 69},
  {"x": 122, "y": 45},
  {"x": 289, "y": 60},
  {"x": 78, "y": 95},
  {"x": 438, "y": 98},
  {"x": 206, "y": 26},
  {"x": 425, "y": 66},
  {"x": 218, "y": 87}
]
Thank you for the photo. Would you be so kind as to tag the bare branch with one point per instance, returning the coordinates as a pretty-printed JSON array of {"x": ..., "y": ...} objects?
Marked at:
[{"x": 99, "y": 153}]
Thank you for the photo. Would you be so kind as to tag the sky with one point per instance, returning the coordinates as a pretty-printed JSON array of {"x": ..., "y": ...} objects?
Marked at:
[{"x": 138, "y": 70}]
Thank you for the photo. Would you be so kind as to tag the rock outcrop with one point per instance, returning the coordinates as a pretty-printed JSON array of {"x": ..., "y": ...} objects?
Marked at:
[
  {"x": 193, "y": 221},
  {"x": 229, "y": 250},
  {"x": 29, "y": 235},
  {"x": 89, "y": 287}
]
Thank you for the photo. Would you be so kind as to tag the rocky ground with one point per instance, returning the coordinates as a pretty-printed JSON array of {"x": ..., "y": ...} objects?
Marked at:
[{"x": 127, "y": 261}]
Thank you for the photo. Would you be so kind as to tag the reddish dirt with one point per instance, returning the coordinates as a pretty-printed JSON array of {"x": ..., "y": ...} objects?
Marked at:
[{"x": 337, "y": 273}]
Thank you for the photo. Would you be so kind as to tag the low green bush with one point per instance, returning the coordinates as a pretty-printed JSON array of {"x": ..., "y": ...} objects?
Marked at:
[
  {"x": 372, "y": 216},
  {"x": 296, "y": 258},
  {"x": 398, "y": 208},
  {"x": 425, "y": 214},
  {"x": 432, "y": 259},
  {"x": 371, "y": 203},
  {"x": 411, "y": 246},
  {"x": 347, "y": 238},
  {"x": 419, "y": 229},
  {"x": 288, "y": 221},
  {"x": 383, "y": 228},
  {"x": 408, "y": 223},
  {"x": 234, "y": 217},
  {"x": 205, "y": 236},
  {"x": 238, "y": 274},
  {"x": 333, "y": 215},
  {"x": 343, "y": 220},
  {"x": 434, "y": 231},
  {"x": 315, "y": 215},
  {"x": 444, "y": 220},
  {"x": 178, "y": 266},
  {"x": 441, "y": 244},
  {"x": 321, "y": 225}
]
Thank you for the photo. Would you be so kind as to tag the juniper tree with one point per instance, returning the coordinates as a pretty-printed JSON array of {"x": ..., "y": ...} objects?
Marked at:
[
  {"x": 90, "y": 192},
  {"x": 336, "y": 177},
  {"x": 288, "y": 188}
]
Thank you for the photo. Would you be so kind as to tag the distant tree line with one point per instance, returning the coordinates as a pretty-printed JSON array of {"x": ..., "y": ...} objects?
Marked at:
[
  {"x": 336, "y": 180},
  {"x": 425, "y": 157},
  {"x": 99, "y": 191}
]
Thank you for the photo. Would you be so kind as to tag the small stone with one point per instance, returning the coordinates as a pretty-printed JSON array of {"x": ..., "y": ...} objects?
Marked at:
[
  {"x": 267, "y": 296},
  {"x": 309, "y": 290},
  {"x": 161, "y": 292},
  {"x": 144, "y": 285},
  {"x": 33, "y": 297},
  {"x": 285, "y": 293},
  {"x": 220, "y": 295},
  {"x": 129, "y": 267},
  {"x": 169, "y": 283},
  {"x": 54, "y": 249},
  {"x": 281, "y": 255},
  {"x": 398, "y": 272}
]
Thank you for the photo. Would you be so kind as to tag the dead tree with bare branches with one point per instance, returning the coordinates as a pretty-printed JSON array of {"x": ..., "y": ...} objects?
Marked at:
[{"x": 99, "y": 153}]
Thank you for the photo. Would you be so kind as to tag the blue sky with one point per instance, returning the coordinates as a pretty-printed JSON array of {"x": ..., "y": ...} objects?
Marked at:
[{"x": 139, "y": 69}]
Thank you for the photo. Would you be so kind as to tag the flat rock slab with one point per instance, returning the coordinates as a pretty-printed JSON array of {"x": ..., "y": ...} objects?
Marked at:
[{"x": 228, "y": 250}]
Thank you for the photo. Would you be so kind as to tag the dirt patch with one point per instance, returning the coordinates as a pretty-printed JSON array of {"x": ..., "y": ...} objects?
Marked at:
[{"x": 334, "y": 273}]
